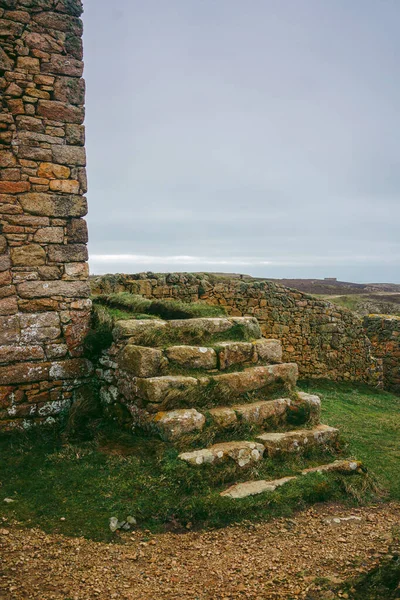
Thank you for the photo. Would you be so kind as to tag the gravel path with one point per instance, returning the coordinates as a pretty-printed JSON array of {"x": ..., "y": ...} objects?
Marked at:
[{"x": 276, "y": 560}]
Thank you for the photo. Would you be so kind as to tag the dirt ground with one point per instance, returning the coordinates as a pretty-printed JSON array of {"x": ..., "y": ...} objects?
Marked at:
[{"x": 281, "y": 559}]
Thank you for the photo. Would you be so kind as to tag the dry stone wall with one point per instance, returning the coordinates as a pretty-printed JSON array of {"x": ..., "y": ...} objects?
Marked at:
[
  {"x": 323, "y": 339},
  {"x": 384, "y": 333},
  {"x": 44, "y": 292}
]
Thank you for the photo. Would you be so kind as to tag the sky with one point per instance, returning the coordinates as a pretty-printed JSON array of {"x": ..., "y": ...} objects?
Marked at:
[{"x": 258, "y": 137}]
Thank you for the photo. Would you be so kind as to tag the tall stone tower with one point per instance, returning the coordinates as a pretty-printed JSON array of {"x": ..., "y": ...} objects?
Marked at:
[{"x": 44, "y": 290}]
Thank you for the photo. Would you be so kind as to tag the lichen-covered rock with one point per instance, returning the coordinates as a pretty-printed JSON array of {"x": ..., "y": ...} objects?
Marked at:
[
  {"x": 223, "y": 416},
  {"x": 242, "y": 453},
  {"x": 297, "y": 441},
  {"x": 169, "y": 388},
  {"x": 268, "y": 350},
  {"x": 252, "y": 488},
  {"x": 258, "y": 413},
  {"x": 141, "y": 361},
  {"x": 256, "y": 378},
  {"x": 192, "y": 357},
  {"x": 235, "y": 353},
  {"x": 139, "y": 331},
  {"x": 176, "y": 423}
]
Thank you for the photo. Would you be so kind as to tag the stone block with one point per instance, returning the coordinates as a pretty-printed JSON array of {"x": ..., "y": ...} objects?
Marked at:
[
  {"x": 33, "y": 153},
  {"x": 69, "y": 155},
  {"x": 298, "y": 441},
  {"x": 76, "y": 330},
  {"x": 256, "y": 378},
  {"x": 223, "y": 416},
  {"x": 159, "y": 389},
  {"x": 65, "y": 186},
  {"x": 61, "y": 22},
  {"x": 39, "y": 327},
  {"x": 60, "y": 111},
  {"x": 242, "y": 453},
  {"x": 67, "y": 253},
  {"x": 76, "y": 270},
  {"x": 9, "y": 329},
  {"x": 192, "y": 357},
  {"x": 176, "y": 423},
  {"x": 26, "y": 372},
  {"x": 46, "y": 289},
  {"x": 7, "y": 159},
  {"x": 235, "y": 353},
  {"x": 6, "y": 64},
  {"x": 268, "y": 350},
  {"x": 53, "y": 171},
  {"x": 48, "y": 273},
  {"x": 70, "y": 90},
  {"x": 14, "y": 187},
  {"x": 49, "y": 235},
  {"x": 139, "y": 331},
  {"x": 253, "y": 488},
  {"x": 5, "y": 263},
  {"x": 8, "y": 306},
  {"x": 30, "y": 255},
  {"x": 9, "y": 354},
  {"x": 28, "y": 64},
  {"x": 75, "y": 134},
  {"x": 258, "y": 413},
  {"x": 141, "y": 361},
  {"x": 63, "y": 65},
  {"x": 53, "y": 205},
  {"x": 16, "y": 107},
  {"x": 77, "y": 231},
  {"x": 73, "y": 368}
]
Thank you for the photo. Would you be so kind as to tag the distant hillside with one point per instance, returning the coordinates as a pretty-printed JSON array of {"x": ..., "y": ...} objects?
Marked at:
[{"x": 332, "y": 286}]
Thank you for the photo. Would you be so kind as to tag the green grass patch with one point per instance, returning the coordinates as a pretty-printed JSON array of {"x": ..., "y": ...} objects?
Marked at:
[
  {"x": 120, "y": 474},
  {"x": 164, "y": 309},
  {"x": 369, "y": 420}
]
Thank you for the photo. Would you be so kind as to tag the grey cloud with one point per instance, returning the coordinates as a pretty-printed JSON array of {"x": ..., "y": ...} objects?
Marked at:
[{"x": 229, "y": 129}]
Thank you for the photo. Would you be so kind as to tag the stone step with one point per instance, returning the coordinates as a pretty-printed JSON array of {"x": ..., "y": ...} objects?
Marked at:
[
  {"x": 242, "y": 453},
  {"x": 172, "y": 390},
  {"x": 143, "y": 361},
  {"x": 299, "y": 440},
  {"x": 174, "y": 424},
  {"x": 252, "y": 488},
  {"x": 155, "y": 332}
]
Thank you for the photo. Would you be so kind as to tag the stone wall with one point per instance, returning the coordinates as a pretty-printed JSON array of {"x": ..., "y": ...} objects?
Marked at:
[
  {"x": 384, "y": 333},
  {"x": 323, "y": 339},
  {"x": 44, "y": 293}
]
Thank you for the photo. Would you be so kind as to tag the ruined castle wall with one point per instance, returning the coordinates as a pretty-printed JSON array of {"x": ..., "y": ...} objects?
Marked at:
[
  {"x": 384, "y": 333},
  {"x": 44, "y": 293},
  {"x": 325, "y": 340}
]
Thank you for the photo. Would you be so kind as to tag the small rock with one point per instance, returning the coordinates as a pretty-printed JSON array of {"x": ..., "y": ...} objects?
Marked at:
[
  {"x": 4, "y": 532},
  {"x": 114, "y": 524},
  {"x": 8, "y": 500}
]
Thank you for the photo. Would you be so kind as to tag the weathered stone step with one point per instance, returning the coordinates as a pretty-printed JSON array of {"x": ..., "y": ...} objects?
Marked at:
[
  {"x": 142, "y": 361},
  {"x": 243, "y": 453},
  {"x": 297, "y": 441},
  {"x": 176, "y": 389},
  {"x": 155, "y": 332},
  {"x": 252, "y": 488},
  {"x": 174, "y": 424}
]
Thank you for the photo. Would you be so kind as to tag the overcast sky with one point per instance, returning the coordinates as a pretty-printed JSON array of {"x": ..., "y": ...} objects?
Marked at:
[{"x": 258, "y": 137}]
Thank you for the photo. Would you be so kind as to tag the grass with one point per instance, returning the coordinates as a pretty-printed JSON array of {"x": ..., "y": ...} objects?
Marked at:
[
  {"x": 120, "y": 474},
  {"x": 164, "y": 309},
  {"x": 370, "y": 420}
]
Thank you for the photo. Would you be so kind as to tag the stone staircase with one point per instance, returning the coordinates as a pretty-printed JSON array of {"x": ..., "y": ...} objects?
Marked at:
[{"x": 216, "y": 378}]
